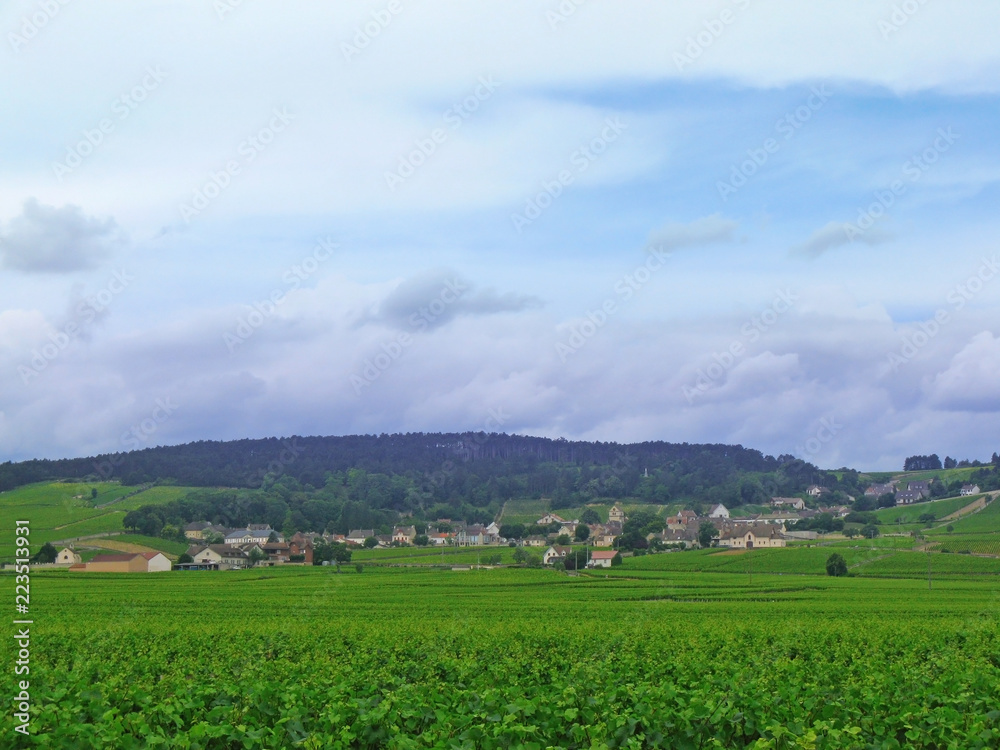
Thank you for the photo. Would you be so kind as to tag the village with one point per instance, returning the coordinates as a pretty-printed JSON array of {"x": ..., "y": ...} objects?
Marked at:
[{"x": 258, "y": 545}]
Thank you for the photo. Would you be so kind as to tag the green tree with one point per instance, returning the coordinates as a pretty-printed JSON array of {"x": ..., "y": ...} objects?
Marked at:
[
  {"x": 617, "y": 559},
  {"x": 870, "y": 531},
  {"x": 590, "y": 516},
  {"x": 582, "y": 533},
  {"x": 520, "y": 555},
  {"x": 512, "y": 531},
  {"x": 836, "y": 565},
  {"x": 93, "y": 493},
  {"x": 371, "y": 542},
  {"x": 185, "y": 558},
  {"x": 706, "y": 533},
  {"x": 47, "y": 554},
  {"x": 563, "y": 540},
  {"x": 888, "y": 500},
  {"x": 257, "y": 555},
  {"x": 421, "y": 540}
]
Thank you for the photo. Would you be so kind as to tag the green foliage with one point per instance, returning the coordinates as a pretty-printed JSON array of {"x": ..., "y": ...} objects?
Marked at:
[
  {"x": 582, "y": 533},
  {"x": 47, "y": 554},
  {"x": 706, "y": 533},
  {"x": 185, "y": 558},
  {"x": 370, "y": 542},
  {"x": 836, "y": 565}
]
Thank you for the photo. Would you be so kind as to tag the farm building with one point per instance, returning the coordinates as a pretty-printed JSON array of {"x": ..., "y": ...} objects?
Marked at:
[
  {"x": 761, "y": 535},
  {"x": 601, "y": 559},
  {"x": 127, "y": 562}
]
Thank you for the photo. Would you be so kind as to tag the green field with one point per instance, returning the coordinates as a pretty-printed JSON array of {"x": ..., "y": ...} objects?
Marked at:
[
  {"x": 404, "y": 658},
  {"x": 910, "y": 513},
  {"x": 986, "y": 521},
  {"x": 65, "y": 510}
]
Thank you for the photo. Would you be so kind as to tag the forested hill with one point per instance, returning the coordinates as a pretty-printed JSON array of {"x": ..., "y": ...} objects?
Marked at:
[{"x": 516, "y": 464}]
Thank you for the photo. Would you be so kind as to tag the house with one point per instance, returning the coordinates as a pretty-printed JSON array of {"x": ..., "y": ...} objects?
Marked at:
[
  {"x": 797, "y": 503},
  {"x": 877, "y": 490},
  {"x": 549, "y": 518},
  {"x": 814, "y": 490},
  {"x": 493, "y": 533},
  {"x": 358, "y": 536},
  {"x": 68, "y": 556},
  {"x": 601, "y": 558},
  {"x": 197, "y": 530},
  {"x": 222, "y": 555},
  {"x": 260, "y": 535},
  {"x": 535, "y": 541},
  {"x": 617, "y": 515},
  {"x": 144, "y": 562},
  {"x": 719, "y": 511},
  {"x": 301, "y": 545},
  {"x": 439, "y": 538},
  {"x": 908, "y": 497},
  {"x": 601, "y": 536},
  {"x": 277, "y": 552},
  {"x": 685, "y": 537},
  {"x": 472, "y": 535},
  {"x": 568, "y": 528},
  {"x": 922, "y": 487},
  {"x": 755, "y": 537},
  {"x": 384, "y": 541},
  {"x": 682, "y": 520},
  {"x": 404, "y": 534},
  {"x": 555, "y": 554},
  {"x": 969, "y": 489}
]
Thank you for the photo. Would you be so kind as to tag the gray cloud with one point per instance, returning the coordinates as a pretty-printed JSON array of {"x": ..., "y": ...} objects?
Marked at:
[
  {"x": 56, "y": 240},
  {"x": 835, "y": 235},
  {"x": 433, "y": 299},
  {"x": 707, "y": 230}
]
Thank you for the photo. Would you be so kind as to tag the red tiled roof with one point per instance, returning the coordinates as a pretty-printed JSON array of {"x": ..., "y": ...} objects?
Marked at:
[{"x": 602, "y": 555}]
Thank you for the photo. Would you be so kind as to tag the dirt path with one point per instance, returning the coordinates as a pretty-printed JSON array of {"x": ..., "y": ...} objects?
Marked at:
[
  {"x": 970, "y": 508},
  {"x": 67, "y": 525}
]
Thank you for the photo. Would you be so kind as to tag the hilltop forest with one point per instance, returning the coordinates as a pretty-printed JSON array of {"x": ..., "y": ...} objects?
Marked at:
[{"x": 369, "y": 481}]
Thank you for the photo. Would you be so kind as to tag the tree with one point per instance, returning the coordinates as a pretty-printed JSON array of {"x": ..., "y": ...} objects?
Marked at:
[
  {"x": 370, "y": 542},
  {"x": 706, "y": 533},
  {"x": 870, "y": 531},
  {"x": 421, "y": 540},
  {"x": 272, "y": 538},
  {"x": 47, "y": 554},
  {"x": 617, "y": 559},
  {"x": 575, "y": 560},
  {"x": 520, "y": 555},
  {"x": 836, "y": 565},
  {"x": 582, "y": 533},
  {"x": 512, "y": 531},
  {"x": 93, "y": 493},
  {"x": 185, "y": 558},
  {"x": 563, "y": 540},
  {"x": 887, "y": 500},
  {"x": 257, "y": 555},
  {"x": 590, "y": 516}
]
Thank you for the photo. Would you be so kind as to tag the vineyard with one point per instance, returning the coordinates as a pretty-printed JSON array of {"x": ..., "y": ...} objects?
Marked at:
[{"x": 407, "y": 658}]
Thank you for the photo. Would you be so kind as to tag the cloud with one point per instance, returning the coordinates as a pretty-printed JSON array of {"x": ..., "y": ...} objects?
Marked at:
[
  {"x": 433, "y": 299},
  {"x": 970, "y": 381},
  {"x": 705, "y": 231},
  {"x": 56, "y": 240},
  {"x": 835, "y": 235}
]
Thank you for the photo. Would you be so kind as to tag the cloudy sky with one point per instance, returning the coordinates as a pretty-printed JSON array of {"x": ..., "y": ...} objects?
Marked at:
[{"x": 763, "y": 222}]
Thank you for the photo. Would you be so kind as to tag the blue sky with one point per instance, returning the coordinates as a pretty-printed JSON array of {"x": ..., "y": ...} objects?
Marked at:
[{"x": 400, "y": 217}]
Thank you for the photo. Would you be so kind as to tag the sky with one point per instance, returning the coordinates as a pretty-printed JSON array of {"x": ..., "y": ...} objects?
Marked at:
[{"x": 762, "y": 222}]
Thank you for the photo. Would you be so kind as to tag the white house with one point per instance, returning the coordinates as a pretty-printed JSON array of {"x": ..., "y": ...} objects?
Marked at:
[
  {"x": 788, "y": 502},
  {"x": 601, "y": 559},
  {"x": 404, "y": 534},
  {"x": 756, "y": 537},
  {"x": 68, "y": 556},
  {"x": 157, "y": 562},
  {"x": 969, "y": 489},
  {"x": 555, "y": 554},
  {"x": 719, "y": 511}
]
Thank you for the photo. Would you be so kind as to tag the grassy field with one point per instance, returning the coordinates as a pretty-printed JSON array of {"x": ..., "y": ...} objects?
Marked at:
[
  {"x": 405, "y": 658},
  {"x": 986, "y": 521},
  {"x": 65, "y": 510},
  {"x": 910, "y": 513}
]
